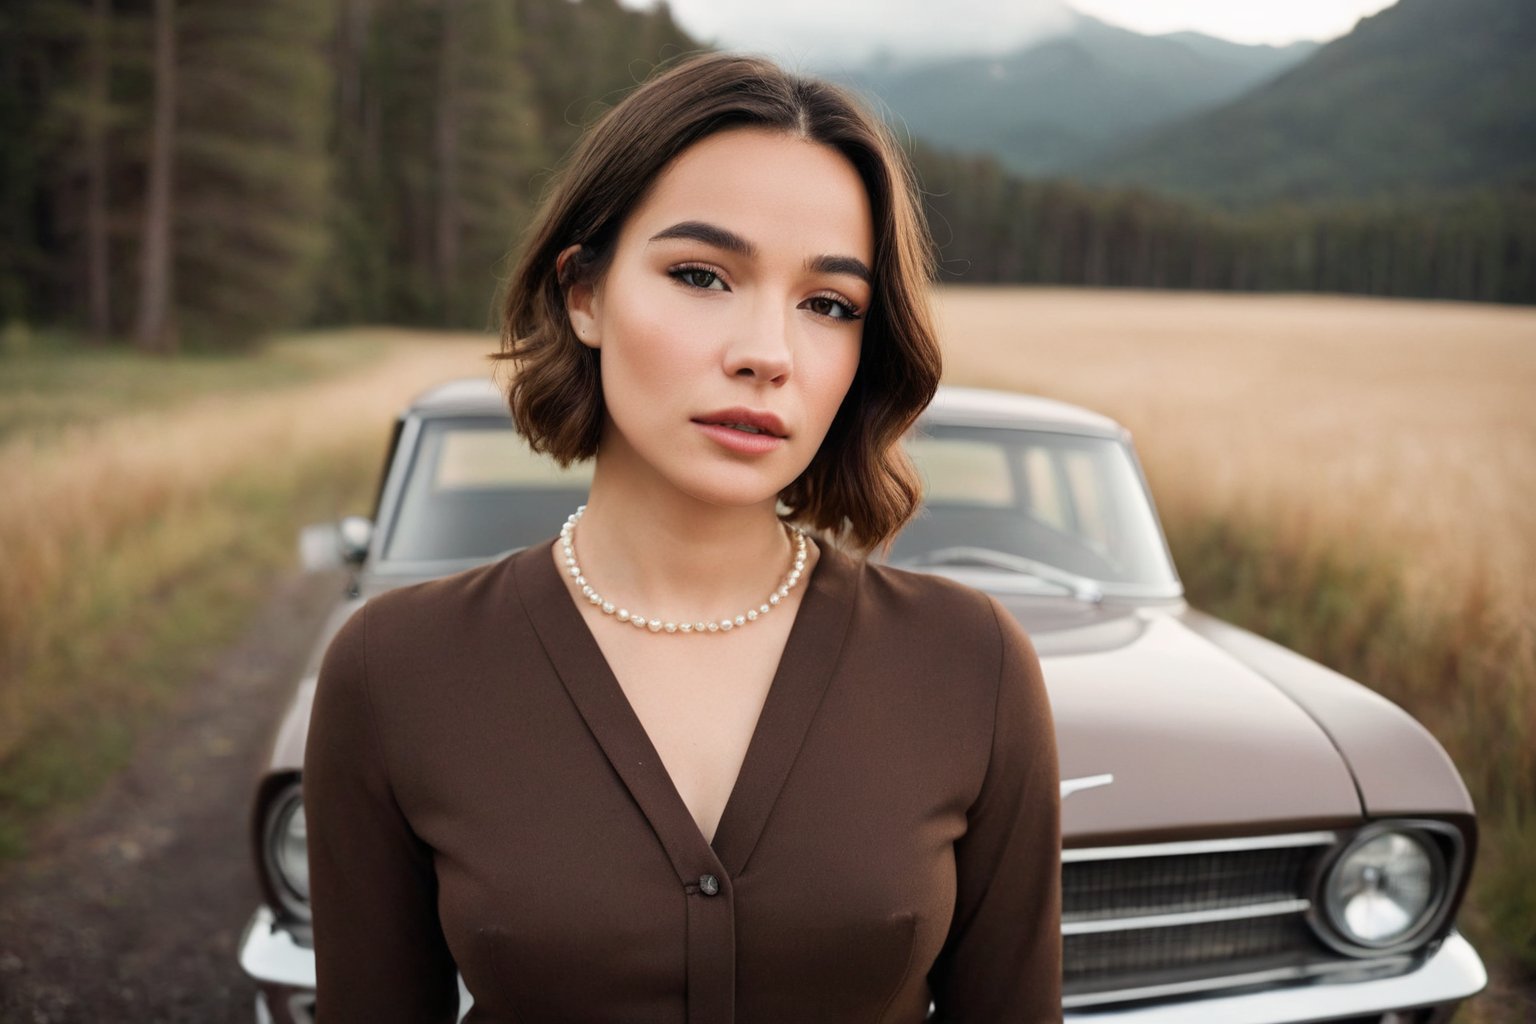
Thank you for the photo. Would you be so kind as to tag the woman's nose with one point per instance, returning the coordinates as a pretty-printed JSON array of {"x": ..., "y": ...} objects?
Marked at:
[{"x": 760, "y": 345}]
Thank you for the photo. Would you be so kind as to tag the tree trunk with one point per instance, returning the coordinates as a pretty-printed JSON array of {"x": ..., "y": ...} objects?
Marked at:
[
  {"x": 448, "y": 165},
  {"x": 98, "y": 283},
  {"x": 156, "y": 330},
  {"x": 353, "y": 26}
]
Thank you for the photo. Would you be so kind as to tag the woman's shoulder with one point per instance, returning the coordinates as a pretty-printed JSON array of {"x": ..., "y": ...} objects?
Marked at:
[
  {"x": 439, "y": 615},
  {"x": 935, "y": 599},
  {"x": 955, "y": 649},
  {"x": 448, "y": 596},
  {"x": 928, "y": 604}
]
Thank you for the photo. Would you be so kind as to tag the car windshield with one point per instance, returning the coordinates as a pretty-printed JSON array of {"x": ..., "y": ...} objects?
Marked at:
[
  {"x": 1052, "y": 507},
  {"x": 1067, "y": 509}
]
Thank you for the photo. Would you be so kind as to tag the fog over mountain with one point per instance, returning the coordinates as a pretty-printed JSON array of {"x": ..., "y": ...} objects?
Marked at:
[
  {"x": 832, "y": 38},
  {"x": 1071, "y": 94},
  {"x": 1424, "y": 95},
  {"x": 1034, "y": 82}
]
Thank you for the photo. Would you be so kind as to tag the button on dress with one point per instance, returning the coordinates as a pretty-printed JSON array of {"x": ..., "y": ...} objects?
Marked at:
[{"x": 481, "y": 797}]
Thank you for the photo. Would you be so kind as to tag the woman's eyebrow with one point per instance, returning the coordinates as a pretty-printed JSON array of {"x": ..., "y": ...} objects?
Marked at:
[
  {"x": 709, "y": 234},
  {"x": 840, "y": 265},
  {"x": 722, "y": 238}
]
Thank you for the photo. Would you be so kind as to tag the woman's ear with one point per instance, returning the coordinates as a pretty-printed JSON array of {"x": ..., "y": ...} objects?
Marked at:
[{"x": 582, "y": 301}]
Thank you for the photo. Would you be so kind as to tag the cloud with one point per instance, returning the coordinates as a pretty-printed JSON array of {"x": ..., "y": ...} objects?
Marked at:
[{"x": 827, "y": 35}]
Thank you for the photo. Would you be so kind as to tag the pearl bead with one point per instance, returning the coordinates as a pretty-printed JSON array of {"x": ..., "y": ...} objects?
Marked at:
[{"x": 724, "y": 625}]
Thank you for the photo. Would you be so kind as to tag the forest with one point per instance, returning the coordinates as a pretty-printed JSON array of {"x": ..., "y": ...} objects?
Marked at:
[{"x": 197, "y": 174}]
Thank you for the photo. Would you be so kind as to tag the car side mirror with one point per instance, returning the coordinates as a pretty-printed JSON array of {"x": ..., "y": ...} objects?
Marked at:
[{"x": 334, "y": 545}]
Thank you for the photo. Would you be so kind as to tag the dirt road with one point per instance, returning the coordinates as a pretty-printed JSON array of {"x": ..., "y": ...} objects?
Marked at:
[{"x": 131, "y": 909}]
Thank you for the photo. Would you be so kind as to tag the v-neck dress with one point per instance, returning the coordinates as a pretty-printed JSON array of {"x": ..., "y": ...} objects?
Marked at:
[{"x": 480, "y": 796}]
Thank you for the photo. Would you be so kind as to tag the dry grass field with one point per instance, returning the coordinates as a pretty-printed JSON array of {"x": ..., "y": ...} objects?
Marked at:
[
  {"x": 144, "y": 535},
  {"x": 1406, "y": 426},
  {"x": 1355, "y": 478}
]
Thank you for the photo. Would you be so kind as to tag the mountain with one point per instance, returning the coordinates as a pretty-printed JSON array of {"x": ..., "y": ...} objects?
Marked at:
[
  {"x": 1425, "y": 96},
  {"x": 1062, "y": 100}
]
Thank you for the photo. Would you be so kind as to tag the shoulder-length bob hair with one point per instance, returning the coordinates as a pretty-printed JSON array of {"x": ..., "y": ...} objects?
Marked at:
[{"x": 860, "y": 487}]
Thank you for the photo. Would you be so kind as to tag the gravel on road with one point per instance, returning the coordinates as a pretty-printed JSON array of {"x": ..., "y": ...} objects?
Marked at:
[{"x": 131, "y": 908}]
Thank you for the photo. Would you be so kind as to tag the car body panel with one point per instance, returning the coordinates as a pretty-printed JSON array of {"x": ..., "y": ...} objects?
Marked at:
[
  {"x": 1161, "y": 714},
  {"x": 1399, "y": 767},
  {"x": 1173, "y": 728}
]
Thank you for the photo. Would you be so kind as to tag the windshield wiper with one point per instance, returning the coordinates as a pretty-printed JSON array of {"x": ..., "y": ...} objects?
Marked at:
[{"x": 1080, "y": 587}]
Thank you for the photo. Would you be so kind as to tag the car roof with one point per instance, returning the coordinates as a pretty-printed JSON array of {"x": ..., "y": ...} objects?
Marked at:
[
  {"x": 987, "y": 408},
  {"x": 480, "y": 396}
]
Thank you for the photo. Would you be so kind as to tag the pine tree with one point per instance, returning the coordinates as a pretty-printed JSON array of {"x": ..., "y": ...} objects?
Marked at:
[
  {"x": 155, "y": 328},
  {"x": 253, "y": 175}
]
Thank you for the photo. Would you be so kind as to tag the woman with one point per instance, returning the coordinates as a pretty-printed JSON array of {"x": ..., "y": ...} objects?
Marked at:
[{"x": 688, "y": 761}]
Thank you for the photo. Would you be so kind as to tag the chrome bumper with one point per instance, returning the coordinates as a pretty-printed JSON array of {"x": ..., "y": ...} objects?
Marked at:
[
  {"x": 1452, "y": 974},
  {"x": 283, "y": 968},
  {"x": 270, "y": 956},
  {"x": 284, "y": 972}
]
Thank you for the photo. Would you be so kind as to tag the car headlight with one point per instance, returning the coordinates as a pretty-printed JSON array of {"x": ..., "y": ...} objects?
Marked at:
[
  {"x": 1384, "y": 891},
  {"x": 285, "y": 852}
]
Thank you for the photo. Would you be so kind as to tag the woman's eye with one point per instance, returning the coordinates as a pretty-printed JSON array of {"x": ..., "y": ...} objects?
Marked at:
[
  {"x": 699, "y": 277},
  {"x": 825, "y": 305}
]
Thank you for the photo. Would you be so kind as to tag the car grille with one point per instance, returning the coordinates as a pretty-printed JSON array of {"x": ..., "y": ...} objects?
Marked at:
[{"x": 1139, "y": 921}]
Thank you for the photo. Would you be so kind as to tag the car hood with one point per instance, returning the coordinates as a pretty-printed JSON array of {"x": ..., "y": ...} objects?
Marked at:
[{"x": 1192, "y": 741}]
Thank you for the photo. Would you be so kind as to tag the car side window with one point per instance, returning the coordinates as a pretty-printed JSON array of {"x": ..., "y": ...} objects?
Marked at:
[{"x": 474, "y": 490}]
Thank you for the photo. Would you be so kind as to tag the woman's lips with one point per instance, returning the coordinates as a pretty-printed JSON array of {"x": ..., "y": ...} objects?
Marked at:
[
  {"x": 740, "y": 440},
  {"x": 739, "y": 415}
]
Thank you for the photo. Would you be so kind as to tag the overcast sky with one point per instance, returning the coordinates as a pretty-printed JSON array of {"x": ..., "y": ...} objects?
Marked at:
[{"x": 826, "y": 33}]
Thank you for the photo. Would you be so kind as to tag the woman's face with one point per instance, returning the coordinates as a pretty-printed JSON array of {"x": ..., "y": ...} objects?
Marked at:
[{"x": 736, "y": 292}]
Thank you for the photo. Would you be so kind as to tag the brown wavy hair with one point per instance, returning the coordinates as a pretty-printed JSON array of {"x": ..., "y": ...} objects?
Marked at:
[{"x": 860, "y": 488}]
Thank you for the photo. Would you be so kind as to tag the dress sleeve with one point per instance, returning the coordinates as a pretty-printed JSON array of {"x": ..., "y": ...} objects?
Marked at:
[
  {"x": 379, "y": 947},
  {"x": 1002, "y": 961}
]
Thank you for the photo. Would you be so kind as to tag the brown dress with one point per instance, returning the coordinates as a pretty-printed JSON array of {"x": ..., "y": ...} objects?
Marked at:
[{"x": 480, "y": 795}]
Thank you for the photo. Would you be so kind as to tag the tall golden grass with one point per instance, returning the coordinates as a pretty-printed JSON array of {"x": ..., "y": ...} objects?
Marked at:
[
  {"x": 104, "y": 524},
  {"x": 1404, "y": 426},
  {"x": 1355, "y": 478}
]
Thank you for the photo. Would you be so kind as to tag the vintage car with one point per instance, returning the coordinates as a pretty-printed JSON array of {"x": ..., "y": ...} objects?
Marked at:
[{"x": 1248, "y": 837}]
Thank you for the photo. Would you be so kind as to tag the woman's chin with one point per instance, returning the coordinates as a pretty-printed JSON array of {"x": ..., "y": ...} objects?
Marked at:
[
  {"x": 736, "y": 490},
  {"x": 715, "y": 479}
]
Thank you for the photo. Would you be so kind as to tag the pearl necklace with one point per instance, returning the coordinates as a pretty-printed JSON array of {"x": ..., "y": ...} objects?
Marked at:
[{"x": 725, "y": 625}]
